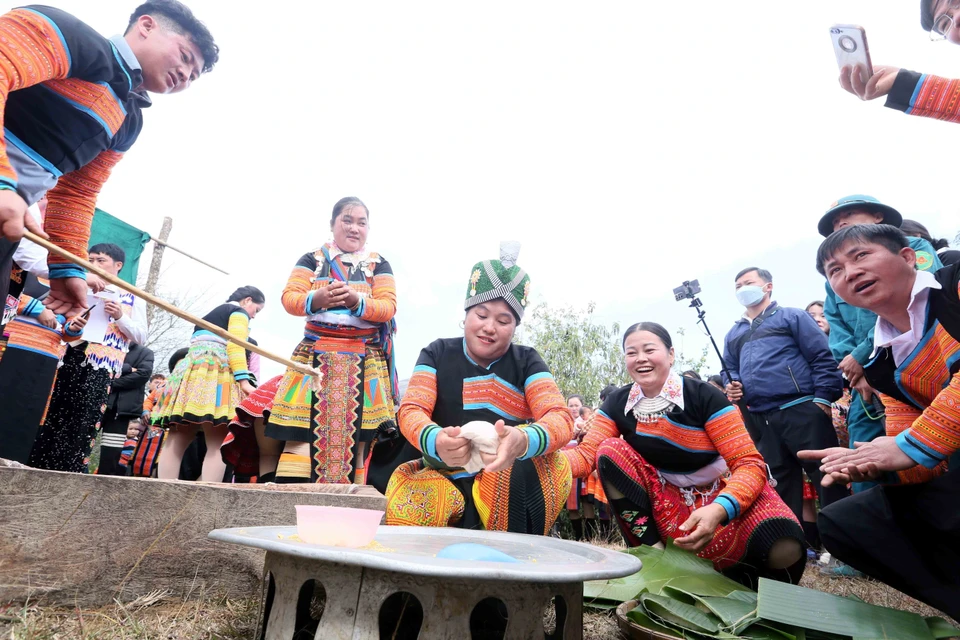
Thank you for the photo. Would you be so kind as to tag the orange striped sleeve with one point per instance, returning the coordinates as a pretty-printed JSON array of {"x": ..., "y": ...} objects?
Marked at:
[
  {"x": 416, "y": 410},
  {"x": 70, "y": 208},
  {"x": 381, "y": 305},
  {"x": 31, "y": 51},
  {"x": 552, "y": 425},
  {"x": 583, "y": 457},
  {"x": 929, "y": 437},
  {"x": 295, "y": 294},
  {"x": 748, "y": 473}
]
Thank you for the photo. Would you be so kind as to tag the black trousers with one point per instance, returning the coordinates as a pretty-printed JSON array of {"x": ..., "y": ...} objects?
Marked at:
[
  {"x": 907, "y": 536},
  {"x": 784, "y": 432}
]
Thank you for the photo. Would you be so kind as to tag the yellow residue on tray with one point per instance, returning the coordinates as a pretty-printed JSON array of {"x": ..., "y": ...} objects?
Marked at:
[
  {"x": 292, "y": 538},
  {"x": 376, "y": 546}
]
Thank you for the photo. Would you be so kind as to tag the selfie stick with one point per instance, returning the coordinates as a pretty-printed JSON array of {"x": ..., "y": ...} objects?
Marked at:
[{"x": 702, "y": 319}]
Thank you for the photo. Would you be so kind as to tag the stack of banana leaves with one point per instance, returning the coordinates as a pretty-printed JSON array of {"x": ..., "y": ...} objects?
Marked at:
[{"x": 679, "y": 595}]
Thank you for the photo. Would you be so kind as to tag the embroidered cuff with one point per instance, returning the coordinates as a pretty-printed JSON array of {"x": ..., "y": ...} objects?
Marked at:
[
  {"x": 67, "y": 331},
  {"x": 428, "y": 441},
  {"x": 358, "y": 312},
  {"x": 538, "y": 440},
  {"x": 729, "y": 504},
  {"x": 904, "y": 90},
  {"x": 63, "y": 271},
  {"x": 916, "y": 451},
  {"x": 6, "y": 183},
  {"x": 308, "y": 305},
  {"x": 242, "y": 375},
  {"x": 34, "y": 308}
]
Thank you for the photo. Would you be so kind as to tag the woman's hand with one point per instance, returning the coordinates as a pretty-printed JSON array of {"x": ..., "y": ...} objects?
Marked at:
[
  {"x": 513, "y": 444},
  {"x": 246, "y": 389},
  {"x": 452, "y": 448},
  {"x": 333, "y": 295},
  {"x": 700, "y": 527},
  {"x": 47, "y": 319},
  {"x": 77, "y": 324}
]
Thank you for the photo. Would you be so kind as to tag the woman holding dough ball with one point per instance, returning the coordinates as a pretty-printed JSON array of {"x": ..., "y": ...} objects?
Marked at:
[{"x": 484, "y": 377}]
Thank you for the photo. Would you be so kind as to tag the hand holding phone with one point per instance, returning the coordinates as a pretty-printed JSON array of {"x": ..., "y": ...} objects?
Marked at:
[{"x": 858, "y": 75}]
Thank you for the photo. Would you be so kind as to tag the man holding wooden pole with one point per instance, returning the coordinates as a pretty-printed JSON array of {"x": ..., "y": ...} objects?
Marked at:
[{"x": 72, "y": 102}]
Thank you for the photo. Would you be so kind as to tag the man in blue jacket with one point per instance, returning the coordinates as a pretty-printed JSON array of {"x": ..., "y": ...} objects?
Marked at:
[
  {"x": 782, "y": 368},
  {"x": 851, "y": 328}
]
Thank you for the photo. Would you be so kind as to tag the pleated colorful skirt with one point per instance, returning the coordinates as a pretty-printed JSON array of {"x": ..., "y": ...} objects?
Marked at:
[
  {"x": 201, "y": 389},
  {"x": 322, "y": 428},
  {"x": 526, "y": 498},
  {"x": 654, "y": 510},
  {"x": 240, "y": 447}
]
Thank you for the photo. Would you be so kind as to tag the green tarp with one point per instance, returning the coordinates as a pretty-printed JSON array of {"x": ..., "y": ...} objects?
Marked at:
[{"x": 107, "y": 228}]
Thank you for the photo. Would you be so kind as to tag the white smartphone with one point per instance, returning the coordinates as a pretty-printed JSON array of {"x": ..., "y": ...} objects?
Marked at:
[{"x": 850, "y": 45}]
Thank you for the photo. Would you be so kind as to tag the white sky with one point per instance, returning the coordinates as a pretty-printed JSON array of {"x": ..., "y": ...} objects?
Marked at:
[{"x": 628, "y": 145}]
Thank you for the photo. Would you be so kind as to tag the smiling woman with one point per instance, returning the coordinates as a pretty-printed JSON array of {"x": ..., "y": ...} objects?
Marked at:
[
  {"x": 676, "y": 463},
  {"x": 484, "y": 376},
  {"x": 348, "y": 296}
]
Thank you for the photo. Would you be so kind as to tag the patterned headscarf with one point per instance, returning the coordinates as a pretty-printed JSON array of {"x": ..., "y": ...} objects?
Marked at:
[{"x": 493, "y": 279}]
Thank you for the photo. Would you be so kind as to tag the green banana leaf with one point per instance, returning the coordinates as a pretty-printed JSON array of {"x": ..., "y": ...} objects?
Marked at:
[
  {"x": 744, "y": 596},
  {"x": 814, "y": 610},
  {"x": 639, "y": 617},
  {"x": 608, "y": 594},
  {"x": 940, "y": 628},
  {"x": 680, "y": 614}
]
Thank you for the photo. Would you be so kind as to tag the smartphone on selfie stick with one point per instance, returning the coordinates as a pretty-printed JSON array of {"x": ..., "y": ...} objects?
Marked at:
[{"x": 850, "y": 47}]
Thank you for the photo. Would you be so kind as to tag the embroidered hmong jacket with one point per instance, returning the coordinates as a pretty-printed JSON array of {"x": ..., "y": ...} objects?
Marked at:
[
  {"x": 69, "y": 106},
  {"x": 449, "y": 389},
  {"x": 922, "y": 395},
  {"x": 109, "y": 355},
  {"x": 683, "y": 441},
  {"x": 369, "y": 274},
  {"x": 235, "y": 320}
]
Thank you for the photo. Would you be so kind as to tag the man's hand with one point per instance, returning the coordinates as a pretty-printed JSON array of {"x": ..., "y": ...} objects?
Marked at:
[
  {"x": 47, "y": 319},
  {"x": 13, "y": 217},
  {"x": 701, "y": 525},
  {"x": 452, "y": 448},
  {"x": 145, "y": 418},
  {"x": 68, "y": 296},
  {"x": 827, "y": 409},
  {"x": 95, "y": 283},
  {"x": 852, "y": 369},
  {"x": 734, "y": 391},
  {"x": 513, "y": 444},
  {"x": 114, "y": 309},
  {"x": 866, "y": 462},
  {"x": 865, "y": 390},
  {"x": 856, "y": 81}
]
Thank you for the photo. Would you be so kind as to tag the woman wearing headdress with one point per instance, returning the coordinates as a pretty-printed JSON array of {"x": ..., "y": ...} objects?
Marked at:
[
  {"x": 677, "y": 463},
  {"x": 484, "y": 376},
  {"x": 348, "y": 295}
]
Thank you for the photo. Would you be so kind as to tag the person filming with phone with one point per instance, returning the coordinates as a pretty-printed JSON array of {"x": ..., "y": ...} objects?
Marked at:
[{"x": 914, "y": 93}]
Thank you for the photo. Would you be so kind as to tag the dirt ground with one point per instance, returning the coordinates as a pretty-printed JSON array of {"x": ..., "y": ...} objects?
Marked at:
[{"x": 201, "y": 617}]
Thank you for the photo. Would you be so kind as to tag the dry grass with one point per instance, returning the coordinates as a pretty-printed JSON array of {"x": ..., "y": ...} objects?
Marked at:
[{"x": 204, "y": 618}]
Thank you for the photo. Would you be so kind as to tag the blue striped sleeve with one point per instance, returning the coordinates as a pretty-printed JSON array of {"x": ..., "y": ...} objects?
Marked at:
[
  {"x": 729, "y": 504},
  {"x": 538, "y": 441},
  {"x": 428, "y": 440},
  {"x": 62, "y": 271},
  {"x": 917, "y": 452},
  {"x": 308, "y": 304}
]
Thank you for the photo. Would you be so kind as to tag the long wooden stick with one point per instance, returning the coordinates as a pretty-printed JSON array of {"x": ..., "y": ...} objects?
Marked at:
[
  {"x": 166, "y": 306},
  {"x": 181, "y": 251}
]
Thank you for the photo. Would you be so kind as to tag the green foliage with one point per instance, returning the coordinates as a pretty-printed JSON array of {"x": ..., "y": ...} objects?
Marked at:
[
  {"x": 583, "y": 355},
  {"x": 683, "y": 363}
]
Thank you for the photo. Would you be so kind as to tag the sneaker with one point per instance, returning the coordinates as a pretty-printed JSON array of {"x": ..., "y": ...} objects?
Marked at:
[
  {"x": 812, "y": 555},
  {"x": 841, "y": 571}
]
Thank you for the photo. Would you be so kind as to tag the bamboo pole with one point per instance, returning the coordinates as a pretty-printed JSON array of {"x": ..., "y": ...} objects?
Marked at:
[
  {"x": 163, "y": 242},
  {"x": 166, "y": 306}
]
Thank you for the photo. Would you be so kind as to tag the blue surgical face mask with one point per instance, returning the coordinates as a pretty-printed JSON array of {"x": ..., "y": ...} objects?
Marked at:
[{"x": 750, "y": 295}]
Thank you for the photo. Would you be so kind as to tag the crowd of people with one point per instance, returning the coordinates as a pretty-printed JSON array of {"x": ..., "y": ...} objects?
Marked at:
[{"x": 857, "y": 393}]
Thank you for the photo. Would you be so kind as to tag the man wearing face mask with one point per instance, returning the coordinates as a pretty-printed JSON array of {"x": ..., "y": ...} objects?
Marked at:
[{"x": 780, "y": 365}]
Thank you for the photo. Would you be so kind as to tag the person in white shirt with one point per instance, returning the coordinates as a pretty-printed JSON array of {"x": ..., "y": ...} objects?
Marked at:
[{"x": 65, "y": 440}]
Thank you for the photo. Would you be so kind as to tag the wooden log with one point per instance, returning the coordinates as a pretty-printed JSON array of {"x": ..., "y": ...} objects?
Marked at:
[{"x": 82, "y": 540}]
